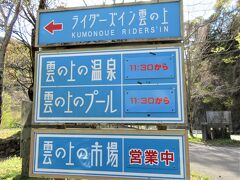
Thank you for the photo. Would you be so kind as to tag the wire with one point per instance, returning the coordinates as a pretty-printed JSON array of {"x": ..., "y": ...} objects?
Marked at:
[
  {"x": 197, "y": 4},
  {"x": 85, "y": 3}
]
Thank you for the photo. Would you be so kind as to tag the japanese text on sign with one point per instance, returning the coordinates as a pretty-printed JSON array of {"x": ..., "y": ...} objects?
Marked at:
[
  {"x": 116, "y": 23},
  {"x": 110, "y": 84},
  {"x": 116, "y": 155}
]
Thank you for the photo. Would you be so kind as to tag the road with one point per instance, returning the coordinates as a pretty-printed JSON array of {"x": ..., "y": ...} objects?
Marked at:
[{"x": 219, "y": 163}]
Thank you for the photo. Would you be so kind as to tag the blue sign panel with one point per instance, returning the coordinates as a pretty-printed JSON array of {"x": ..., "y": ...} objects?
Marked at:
[
  {"x": 132, "y": 22},
  {"x": 150, "y": 67},
  {"x": 92, "y": 86},
  {"x": 131, "y": 156},
  {"x": 150, "y": 101}
]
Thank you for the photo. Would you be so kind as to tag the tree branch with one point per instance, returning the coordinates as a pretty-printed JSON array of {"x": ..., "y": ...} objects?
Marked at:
[{"x": 8, "y": 31}]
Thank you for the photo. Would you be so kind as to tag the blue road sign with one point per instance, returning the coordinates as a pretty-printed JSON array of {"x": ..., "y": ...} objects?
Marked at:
[
  {"x": 118, "y": 86},
  {"x": 116, "y": 23},
  {"x": 118, "y": 155}
]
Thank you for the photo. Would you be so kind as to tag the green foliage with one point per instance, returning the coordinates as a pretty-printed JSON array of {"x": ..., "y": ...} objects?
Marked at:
[
  {"x": 18, "y": 71},
  {"x": 8, "y": 120},
  {"x": 229, "y": 60},
  {"x": 196, "y": 140},
  {"x": 228, "y": 102},
  {"x": 17, "y": 79},
  {"x": 197, "y": 176},
  {"x": 10, "y": 168},
  {"x": 223, "y": 142},
  {"x": 221, "y": 4},
  {"x": 214, "y": 51},
  {"x": 215, "y": 142},
  {"x": 206, "y": 100},
  {"x": 6, "y": 133},
  {"x": 217, "y": 49},
  {"x": 238, "y": 39}
]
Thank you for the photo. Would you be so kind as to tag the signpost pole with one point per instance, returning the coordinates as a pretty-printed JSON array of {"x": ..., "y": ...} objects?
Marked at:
[{"x": 26, "y": 117}]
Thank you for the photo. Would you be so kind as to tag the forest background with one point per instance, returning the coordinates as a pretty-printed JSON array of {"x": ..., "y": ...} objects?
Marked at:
[{"x": 212, "y": 57}]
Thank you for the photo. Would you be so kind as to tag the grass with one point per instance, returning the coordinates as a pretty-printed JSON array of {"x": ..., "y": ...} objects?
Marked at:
[
  {"x": 10, "y": 169},
  {"x": 196, "y": 140},
  {"x": 223, "y": 142},
  {"x": 215, "y": 142},
  {"x": 5, "y": 133},
  {"x": 197, "y": 176}
]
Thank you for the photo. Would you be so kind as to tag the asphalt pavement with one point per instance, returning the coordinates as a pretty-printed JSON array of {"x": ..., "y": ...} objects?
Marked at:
[{"x": 219, "y": 163}]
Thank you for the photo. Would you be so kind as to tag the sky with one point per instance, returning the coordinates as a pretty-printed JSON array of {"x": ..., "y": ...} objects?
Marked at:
[{"x": 192, "y": 8}]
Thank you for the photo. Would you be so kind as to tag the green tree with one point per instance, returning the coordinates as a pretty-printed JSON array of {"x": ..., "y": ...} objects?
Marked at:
[
  {"x": 8, "y": 121},
  {"x": 9, "y": 11},
  {"x": 215, "y": 62}
]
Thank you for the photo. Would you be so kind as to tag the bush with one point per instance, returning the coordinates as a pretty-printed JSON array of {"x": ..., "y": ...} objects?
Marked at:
[{"x": 10, "y": 119}]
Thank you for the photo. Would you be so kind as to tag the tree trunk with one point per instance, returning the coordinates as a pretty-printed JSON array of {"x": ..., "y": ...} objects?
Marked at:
[
  {"x": 236, "y": 99},
  {"x": 42, "y": 5},
  {"x": 32, "y": 51},
  {"x": 2, "y": 55},
  {"x": 236, "y": 112},
  {"x": 3, "y": 48}
]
